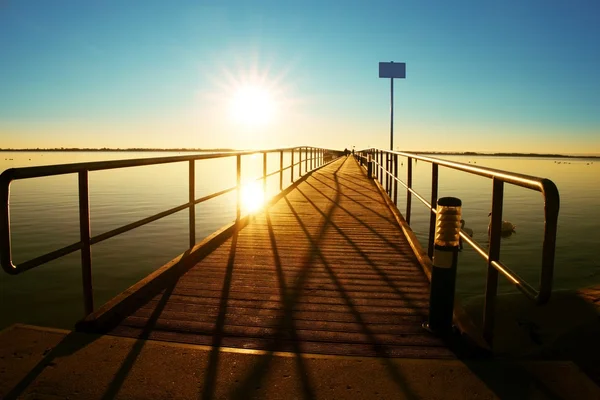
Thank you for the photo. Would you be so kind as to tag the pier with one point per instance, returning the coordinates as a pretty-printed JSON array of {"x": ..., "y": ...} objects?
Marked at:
[
  {"x": 321, "y": 294},
  {"x": 324, "y": 269}
]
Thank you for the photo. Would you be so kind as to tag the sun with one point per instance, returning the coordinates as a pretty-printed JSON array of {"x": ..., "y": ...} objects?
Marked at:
[
  {"x": 252, "y": 196},
  {"x": 252, "y": 105}
]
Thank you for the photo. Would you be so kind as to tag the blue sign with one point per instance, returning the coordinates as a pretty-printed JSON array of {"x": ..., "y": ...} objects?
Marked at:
[{"x": 392, "y": 70}]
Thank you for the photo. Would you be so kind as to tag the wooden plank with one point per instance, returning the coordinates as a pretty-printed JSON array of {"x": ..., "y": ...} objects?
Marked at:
[{"x": 324, "y": 269}]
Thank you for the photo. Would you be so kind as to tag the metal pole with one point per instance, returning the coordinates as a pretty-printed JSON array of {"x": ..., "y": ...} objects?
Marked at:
[
  {"x": 281, "y": 170},
  {"x": 192, "y": 198},
  {"x": 491, "y": 288},
  {"x": 300, "y": 160},
  {"x": 292, "y": 167},
  {"x": 265, "y": 174},
  {"x": 434, "y": 195},
  {"x": 306, "y": 159},
  {"x": 86, "y": 247},
  {"x": 396, "y": 180},
  {"x": 409, "y": 186},
  {"x": 238, "y": 212},
  {"x": 392, "y": 114}
]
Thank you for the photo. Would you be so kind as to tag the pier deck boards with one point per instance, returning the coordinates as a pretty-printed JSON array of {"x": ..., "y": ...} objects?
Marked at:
[{"x": 326, "y": 269}]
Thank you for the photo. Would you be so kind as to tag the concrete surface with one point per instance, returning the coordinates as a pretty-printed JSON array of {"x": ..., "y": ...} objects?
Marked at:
[{"x": 43, "y": 363}]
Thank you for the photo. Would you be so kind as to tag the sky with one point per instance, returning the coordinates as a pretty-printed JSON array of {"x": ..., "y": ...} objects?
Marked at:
[{"x": 490, "y": 76}]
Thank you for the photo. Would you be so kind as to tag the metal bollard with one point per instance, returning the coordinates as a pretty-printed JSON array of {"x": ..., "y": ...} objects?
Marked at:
[{"x": 443, "y": 273}]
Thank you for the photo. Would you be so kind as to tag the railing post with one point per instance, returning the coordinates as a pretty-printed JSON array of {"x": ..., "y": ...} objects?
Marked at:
[
  {"x": 381, "y": 167},
  {"x": 192, "y": 199},
  {"x": 396, "y": 180},
  {"x": 300, "y": 161},
  {"x": 391, "y": 180},
  {"x": 434, "y": 195},
  {"x": 238, "y": 212},
  {"x": 306, "y": 159},
  {"x": 409, "y": 186},
  {"x": 292, "y": 167},
  {"x": 385, "y": 175},
  {"x": 86, "y": 247},
  {"x": 378, "y": 167},
  {"x": 370, "y": 172},
  {"x": 443, "y": 271},
  {"x": 281, "y": 170},
  {"x": 491, "y": 288},
  {"x": 311, "y": 159},
  {"x": 265, "y": 174}
]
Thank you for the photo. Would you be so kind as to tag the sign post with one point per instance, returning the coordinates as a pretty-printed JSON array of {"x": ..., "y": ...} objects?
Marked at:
[{"x": 392, "y": 70}]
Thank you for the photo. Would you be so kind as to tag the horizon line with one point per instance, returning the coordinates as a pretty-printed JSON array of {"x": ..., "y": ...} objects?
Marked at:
[{"x": 188, "y": 149}]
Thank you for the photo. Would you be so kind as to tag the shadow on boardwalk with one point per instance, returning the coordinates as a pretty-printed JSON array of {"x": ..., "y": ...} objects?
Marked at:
[{"x": 323, "y": 270}]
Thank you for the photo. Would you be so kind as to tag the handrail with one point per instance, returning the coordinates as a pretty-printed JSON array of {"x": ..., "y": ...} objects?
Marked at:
[
  {"x": 317, "y": 158},
  {"x": 386, "y": 171}
]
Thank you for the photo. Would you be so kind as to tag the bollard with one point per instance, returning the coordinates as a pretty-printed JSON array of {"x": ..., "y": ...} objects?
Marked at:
[{"x": 443, "y": 273}]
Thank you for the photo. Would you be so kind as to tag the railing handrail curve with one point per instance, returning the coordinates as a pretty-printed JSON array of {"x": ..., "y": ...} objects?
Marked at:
[
  {"x": 547, "y": 188},
  {"x": 316, "y": 153}
]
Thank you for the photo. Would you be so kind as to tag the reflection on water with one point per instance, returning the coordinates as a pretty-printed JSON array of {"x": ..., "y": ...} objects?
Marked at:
[{"x": 44, "y": 216}]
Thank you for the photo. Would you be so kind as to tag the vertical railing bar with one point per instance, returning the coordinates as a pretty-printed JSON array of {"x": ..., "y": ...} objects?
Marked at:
[
  {"x": 292, "y": 167},
  {"x": 311, "y": 159},
  {"x": 489, "y": 314},
  {"x": 192, "y": 198},
  {"x": 379, "y": 174},
  {"x": 382, "y": 168},
  {"x": 390, "y": 174},
  {"x": 305, "y": 159},
  {"x": 381, "y": 177},
  {"x": 432, "y": 215},
  {"x": 391, "y": 163},
  {"x": 387, "y": 188},
  {"x": 281, "y": 170},
  {"x": 86, "y": 247},
  {"x": 300, "y": 161},
  {"x": 409, "y": 186},
  {"x": 265, "y": 174},
  {"x": 396, "y": 180},
  {"x": 238, "y": 212},
  {"x": 551, "y": 207}
]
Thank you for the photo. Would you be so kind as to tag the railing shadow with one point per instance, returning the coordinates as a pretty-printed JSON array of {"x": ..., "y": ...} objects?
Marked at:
[
  {"x": 286, "y": 325},
  {"x": 217, "y": 338},
  {"x": 70, "y": 344},
  {"x": 127, "y": 364}
]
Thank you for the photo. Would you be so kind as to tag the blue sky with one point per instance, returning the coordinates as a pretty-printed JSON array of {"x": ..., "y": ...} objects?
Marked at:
[{"x": 481, "y": 75}]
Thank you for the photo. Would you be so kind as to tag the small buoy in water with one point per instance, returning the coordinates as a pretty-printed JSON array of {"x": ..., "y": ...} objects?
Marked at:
[
  {"x": 468, "y": 231},
  {"x": 506, "y": 228}
]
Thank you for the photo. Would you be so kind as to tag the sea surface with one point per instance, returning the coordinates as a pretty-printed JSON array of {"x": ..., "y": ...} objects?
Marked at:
[{"x": 44, "y": 217}]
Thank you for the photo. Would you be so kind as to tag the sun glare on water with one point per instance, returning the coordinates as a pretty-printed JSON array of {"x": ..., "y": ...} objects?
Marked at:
[
  {"x": 253, "y": 197},
  {"x": 252, "y": 105}
]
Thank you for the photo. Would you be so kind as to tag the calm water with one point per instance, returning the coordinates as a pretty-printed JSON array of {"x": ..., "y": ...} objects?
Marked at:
[{"x": 44, "y": 216}]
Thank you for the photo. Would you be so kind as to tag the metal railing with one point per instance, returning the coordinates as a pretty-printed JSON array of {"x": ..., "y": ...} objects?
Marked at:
[
  {"x": 313, "y": 158},
  {"x": 385, "y": 170}
]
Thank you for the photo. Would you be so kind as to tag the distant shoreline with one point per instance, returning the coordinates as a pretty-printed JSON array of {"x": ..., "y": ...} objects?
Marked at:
[
  {"x": 438, "y": 153},
  {"x": 106, "y": 150},
  {"x": 471, "y": 153}
]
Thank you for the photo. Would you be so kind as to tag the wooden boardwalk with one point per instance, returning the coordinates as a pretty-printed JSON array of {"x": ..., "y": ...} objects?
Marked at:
[{"x": 326, "y": 269}]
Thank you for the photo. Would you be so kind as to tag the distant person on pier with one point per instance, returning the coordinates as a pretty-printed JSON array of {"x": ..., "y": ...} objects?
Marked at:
[{"x": 346, "y": 152}]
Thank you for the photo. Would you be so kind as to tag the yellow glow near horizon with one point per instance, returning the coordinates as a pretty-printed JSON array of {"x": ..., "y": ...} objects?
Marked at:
[
  {"x": 253, "y": 196},
  {"x": 252, "y": 105}
]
